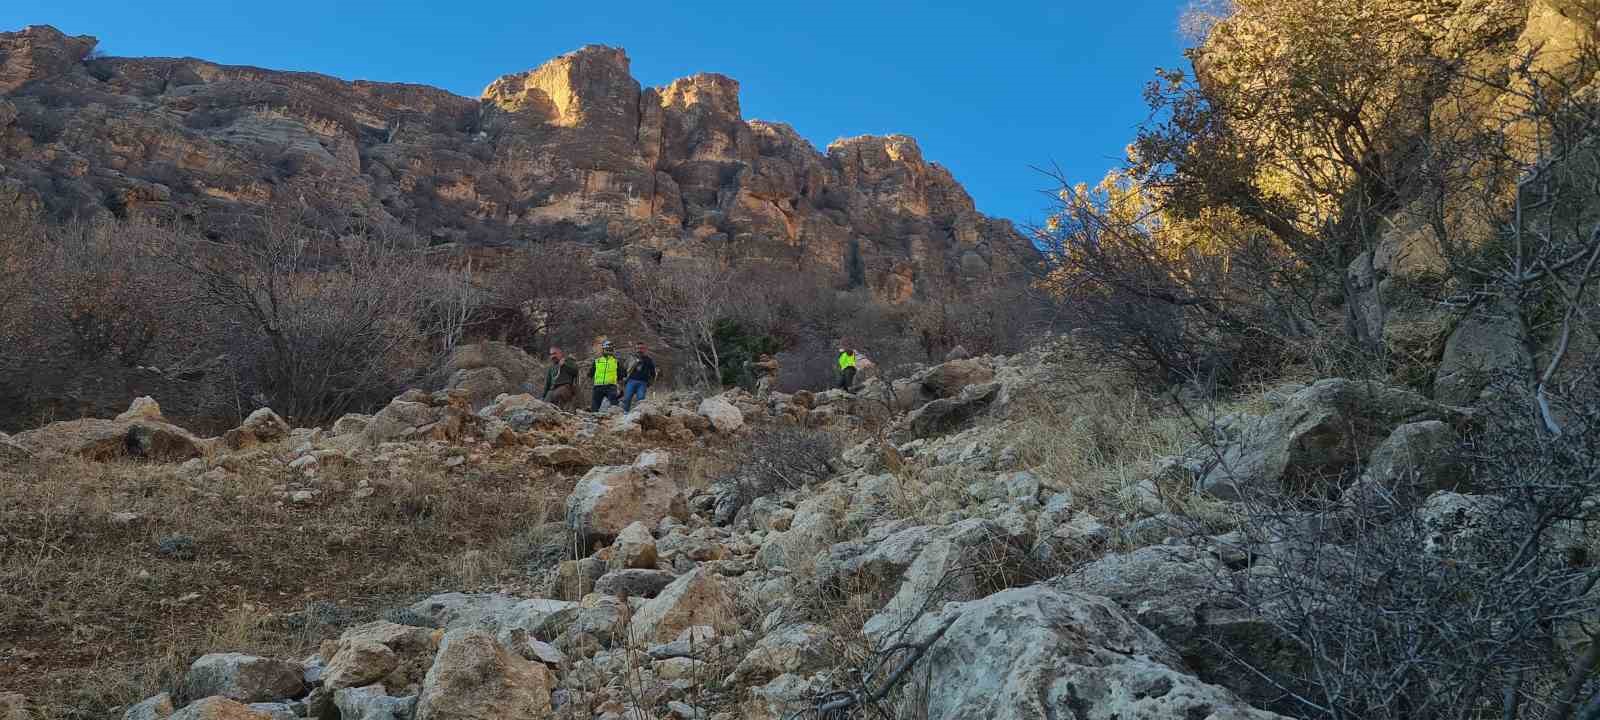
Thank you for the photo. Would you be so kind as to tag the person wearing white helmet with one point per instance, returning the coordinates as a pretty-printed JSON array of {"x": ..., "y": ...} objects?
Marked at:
[{"x": 603, "y": 371}]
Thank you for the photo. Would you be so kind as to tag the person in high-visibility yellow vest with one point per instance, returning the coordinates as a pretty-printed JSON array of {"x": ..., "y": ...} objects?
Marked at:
[
  {"x": 603, "y": 371},
  {"x": 847, "y": 368}
]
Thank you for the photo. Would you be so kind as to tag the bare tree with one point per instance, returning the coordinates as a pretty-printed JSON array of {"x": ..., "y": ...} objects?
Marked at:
[
  {"x": 330, "y": 322},
  {"x": 685, "y": 304}
]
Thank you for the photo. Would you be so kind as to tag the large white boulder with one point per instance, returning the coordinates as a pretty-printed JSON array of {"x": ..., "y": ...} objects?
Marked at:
[
  {"x": 1037, "y": 652},
  {"x": 724, "y": 416}
]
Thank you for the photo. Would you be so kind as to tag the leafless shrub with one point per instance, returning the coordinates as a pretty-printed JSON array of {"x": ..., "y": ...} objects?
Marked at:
[
  {"x": 92, "y": 320},
  {"x": 773, "y": 459},
  {"x": 547, "y": 297},
  {"x": 1479, "y": 605},
  {"x": 323, "y": 323}
]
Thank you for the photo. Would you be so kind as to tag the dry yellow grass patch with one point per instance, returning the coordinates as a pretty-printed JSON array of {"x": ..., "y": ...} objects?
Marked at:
[{"x": 114, "y": 576}]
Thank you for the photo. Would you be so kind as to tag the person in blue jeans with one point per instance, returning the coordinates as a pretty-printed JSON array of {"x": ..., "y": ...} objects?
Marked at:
[{"x": 641, "y": 373}]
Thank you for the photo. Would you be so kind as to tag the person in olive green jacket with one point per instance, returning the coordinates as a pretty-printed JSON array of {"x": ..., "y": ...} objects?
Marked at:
[
  {"x": 560, "y": 381},
  {"x": 603, "y": 371}
]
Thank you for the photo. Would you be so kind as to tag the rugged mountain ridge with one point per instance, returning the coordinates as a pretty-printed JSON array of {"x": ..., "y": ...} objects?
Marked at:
[{"x": 574, "y": 150}]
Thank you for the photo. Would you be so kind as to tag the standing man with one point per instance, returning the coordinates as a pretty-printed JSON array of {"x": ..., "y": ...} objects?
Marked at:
[
  {"x": 766, "y": 368},
  {"x": 560, "y": 381},
  {"x": 640, "y": 374},
  {"x": 604, "y": 373},
  {"x": 847, "y": 368}
]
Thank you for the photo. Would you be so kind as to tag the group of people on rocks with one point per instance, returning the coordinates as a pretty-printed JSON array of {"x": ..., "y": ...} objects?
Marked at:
[{"x": 606, "y": 374}]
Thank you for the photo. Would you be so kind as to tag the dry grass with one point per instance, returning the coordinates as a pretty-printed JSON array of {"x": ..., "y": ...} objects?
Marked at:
[
  {"x": 1101, "y": 436},
  {"x": 97, "y": 612}
]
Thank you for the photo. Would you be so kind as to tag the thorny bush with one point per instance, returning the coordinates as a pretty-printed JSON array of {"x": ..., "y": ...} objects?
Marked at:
[
  {"x": 1478, "y": 602},
  {"x": 774, "y": 459}
]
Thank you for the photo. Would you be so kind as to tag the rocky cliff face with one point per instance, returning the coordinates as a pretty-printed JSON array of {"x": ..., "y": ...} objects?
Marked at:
[{"x": 573, "y": 150}]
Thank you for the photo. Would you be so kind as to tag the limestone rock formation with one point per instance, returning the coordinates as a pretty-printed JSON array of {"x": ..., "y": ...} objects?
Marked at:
[
  {"x": 139, "y": 432},
  {"x": 1320, "y": 430},
  {"x": 1036, "y": 652},
  {"x": 474, "y": 677},
  {"x": 574, "y": 150},
  {"x": 610, "y": 498},
  {"x": 245, "y": 678}
]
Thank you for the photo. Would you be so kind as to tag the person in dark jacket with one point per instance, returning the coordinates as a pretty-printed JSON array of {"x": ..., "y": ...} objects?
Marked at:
[
  {"x": 641, "y": 373},
  {"x": 560, "y": 381}
]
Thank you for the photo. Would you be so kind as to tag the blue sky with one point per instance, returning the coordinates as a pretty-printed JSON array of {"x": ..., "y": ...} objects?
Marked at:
[{"x": 988, "y": 89}]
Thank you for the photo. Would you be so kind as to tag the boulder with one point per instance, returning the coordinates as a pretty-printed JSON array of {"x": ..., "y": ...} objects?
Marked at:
[
  {"x": 219, "y": 708},
  {"x": 463, "y": 610},
  {"x": 524, "y": 413},
  {"x": 946, "y": 414},
  {"x": 245, "y": 678},
  {"x": 722, "y": 414},
  {"x": 1181, "y": 594},
  {"x": 802, "y": 649},
  {"x": 399, "y": 638},
  {"x": 142, "y": 408},
  {"x": 1490, "y": 342},
  {"x": 1038, "y": 652},
  {"x": 884, "y": 559},
  {"x": 576, "y": 578},
  {"x": 654, "y": 461},
  {"x": 695, "y": 546},
  {"x": 603, "y": 617},
  {"x": 1416, "y": 460},
  {"x": 633, "y": 583},
  {"x": 111, "y": 439},
  {"x": 400, "y": 419},
  {"x": 351, "y": 424},
  {"x": 947, "y": 380},
  {"x": 814, "y": 527},
  {"x": 359, "y": 662},
  {"x": 474, "y": 678},
  {"x": 635, "y": 548},
  {"x": 1320, "y": 432},
  {"x": 945, "y": 571},
  {"x": 155, "y": 707},
  {"x": 610, "y": 498},
  {"x": 538, "y": 619},
  {"x": 480, "y": 386},
  {"x": 785, "y": 697},
  {"x": 695, "y": 598},
  {"x": 907, "y": 395},
  {"x": 373, "y": 703},
  {"x": 1456, "y": 522},
  {"x": 693, "y": 642},
  {"x": 262, "y": 426},
  {"x": 530, "y": 648},
  {"x": 516, "y": 366}
]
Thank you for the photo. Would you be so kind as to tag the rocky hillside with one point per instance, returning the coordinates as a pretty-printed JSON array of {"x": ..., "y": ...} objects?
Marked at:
[
  {"x": 572, "y": 150},
  {"x": 850, "y": 537}
]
